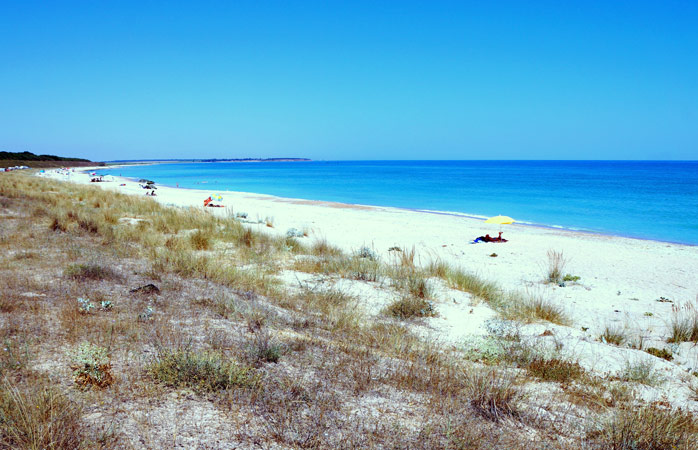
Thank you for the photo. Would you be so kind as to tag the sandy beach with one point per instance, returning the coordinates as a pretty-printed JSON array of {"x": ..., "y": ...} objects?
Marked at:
[{"x": 627, "y": 284}]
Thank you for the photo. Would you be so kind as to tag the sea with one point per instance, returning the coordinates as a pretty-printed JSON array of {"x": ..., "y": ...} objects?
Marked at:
[{"x": 655, "y": 200}]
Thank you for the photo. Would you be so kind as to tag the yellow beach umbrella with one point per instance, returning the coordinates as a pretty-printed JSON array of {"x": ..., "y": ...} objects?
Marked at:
[{"x": 501, "y": 220}]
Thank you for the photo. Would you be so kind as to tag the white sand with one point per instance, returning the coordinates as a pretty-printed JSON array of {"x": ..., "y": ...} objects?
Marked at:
[{"x": 621, "y": 278}]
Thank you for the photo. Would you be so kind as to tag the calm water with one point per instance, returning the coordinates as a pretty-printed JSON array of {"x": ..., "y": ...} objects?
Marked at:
[{"x": 647, "y": 199}]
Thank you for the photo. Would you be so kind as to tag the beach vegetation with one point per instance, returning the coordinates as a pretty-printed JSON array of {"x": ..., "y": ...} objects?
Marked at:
[
  {"x": 85, "y": 305},
  {"x": 613, "y": 335},
  {"x": 250, "y": 322},
  {"x": 557, "y": 370},
  {"x": 200, "y": 240},
  {"x": 646, "y": 428},
  {"x": 539, "y": 361},
  {"x": 92, "y": 366},
  {"x": 684, "y": 323},
  {"x": 660, "y": 353},
  {"x": 90, "y": 271},
  {"x": 263, "y": 347},
  {"x": 34, "y": 415},
  {"x": 365, "y": 269},
  {"x": 493, "y": 394},
  {"x": 294, "y": 233},
  {"x": 640, "y": 371},
  {"x": 202, "y": 371},
  {"x": 366, "y": 253},
  {"x": 409, "y": 306},
  {"x": 530, "y": 308},
  {"x": 556, "y": 266}
]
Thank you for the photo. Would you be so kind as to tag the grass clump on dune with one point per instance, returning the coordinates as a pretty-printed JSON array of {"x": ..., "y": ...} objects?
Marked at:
[
  {"x": 36, "y": 416},
  {"x": 202, "y": 371},
  {"x": 613, "y": 335},
  {"x": 647, "y": 428},
  {"x": 533, "y": 308},
  {"x": 409, "y": 307},
  {"x": 493, "y": 395},
  {"x": 556, "y": 266},
  {"x": 684, "y": 324},
  {"x": 90, "y": 272}
]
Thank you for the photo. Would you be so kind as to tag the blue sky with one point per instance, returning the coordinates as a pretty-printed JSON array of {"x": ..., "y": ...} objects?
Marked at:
[{"x": 350, "y": 80}]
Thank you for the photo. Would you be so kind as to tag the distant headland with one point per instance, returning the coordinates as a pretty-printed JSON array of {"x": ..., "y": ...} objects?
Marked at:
[
  {"x": 8, "y": 159},
  {"x": 211, "y": 160}
]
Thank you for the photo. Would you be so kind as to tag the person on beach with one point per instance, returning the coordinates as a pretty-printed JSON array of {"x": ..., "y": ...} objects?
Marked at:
[
  {"x": 500, "y": 238},
  {"x": 488, "y": 238}
]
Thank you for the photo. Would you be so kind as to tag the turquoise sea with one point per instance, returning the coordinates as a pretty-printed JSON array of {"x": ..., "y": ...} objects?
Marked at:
[{"x": 646, "y": 199}]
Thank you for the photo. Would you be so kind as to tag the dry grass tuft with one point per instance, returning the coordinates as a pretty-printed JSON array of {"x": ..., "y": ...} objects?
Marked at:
[
  {"x": 36, "y": 416},
  {"x": 647, "y": 428},
  {"x": 409, "y": 307},
  {"x": 493, "y": 395},
  {"x": 613, "y": 335},
  {"x": 556, "y": 266},
  {"x": 200, "y": 240},
  {"x": 531, "y": 308},
  {"x": 684, "y": 324},
  {"x": 90, "y": 272},
  {"x": 555, "y": 369}
]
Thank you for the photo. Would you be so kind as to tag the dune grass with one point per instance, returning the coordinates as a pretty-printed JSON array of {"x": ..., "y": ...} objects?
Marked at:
[{"x": 225, "y": 338}]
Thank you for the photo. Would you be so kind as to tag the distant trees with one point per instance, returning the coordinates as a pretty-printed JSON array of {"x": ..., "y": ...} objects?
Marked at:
[{"x": 29, "y": 156}]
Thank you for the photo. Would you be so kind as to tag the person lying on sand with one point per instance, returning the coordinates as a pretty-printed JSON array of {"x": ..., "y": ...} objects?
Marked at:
[{"x": 488, "y": 238}]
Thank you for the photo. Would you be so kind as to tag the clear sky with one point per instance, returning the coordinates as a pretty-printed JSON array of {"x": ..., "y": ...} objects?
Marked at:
[{"x": 350, "y": 80}]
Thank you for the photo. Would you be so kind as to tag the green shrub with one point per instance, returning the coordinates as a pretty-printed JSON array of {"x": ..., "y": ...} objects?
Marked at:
[
  {"x": 640, "y": 372},
  {"x": 201, "y": 371},
  {"x": 264, "y": 348},
  {"x": 91, "y": 366},
  {"x": 572, "y": 278},
  {"x": 660, "y": 353}
]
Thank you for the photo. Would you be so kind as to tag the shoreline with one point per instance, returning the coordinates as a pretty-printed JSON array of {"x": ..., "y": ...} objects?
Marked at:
[{"x": 459, "y": 214}]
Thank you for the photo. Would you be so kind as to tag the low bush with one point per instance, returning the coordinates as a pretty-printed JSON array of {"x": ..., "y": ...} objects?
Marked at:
[
  {"x": 365, "y": 252},
  {"x": 294, "y": 233},
  {"x": 640, "y": 372},
  {"x": 264, "y": 348},
  {"x": 201, "y": 371},
  {"x": 660, "y": 353},
  {"x": 92, "y": 366},
  {"x": 408, "y": 307},
  {"x": 554, "y": 369},
  {"x": 90, "y": 272}
]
